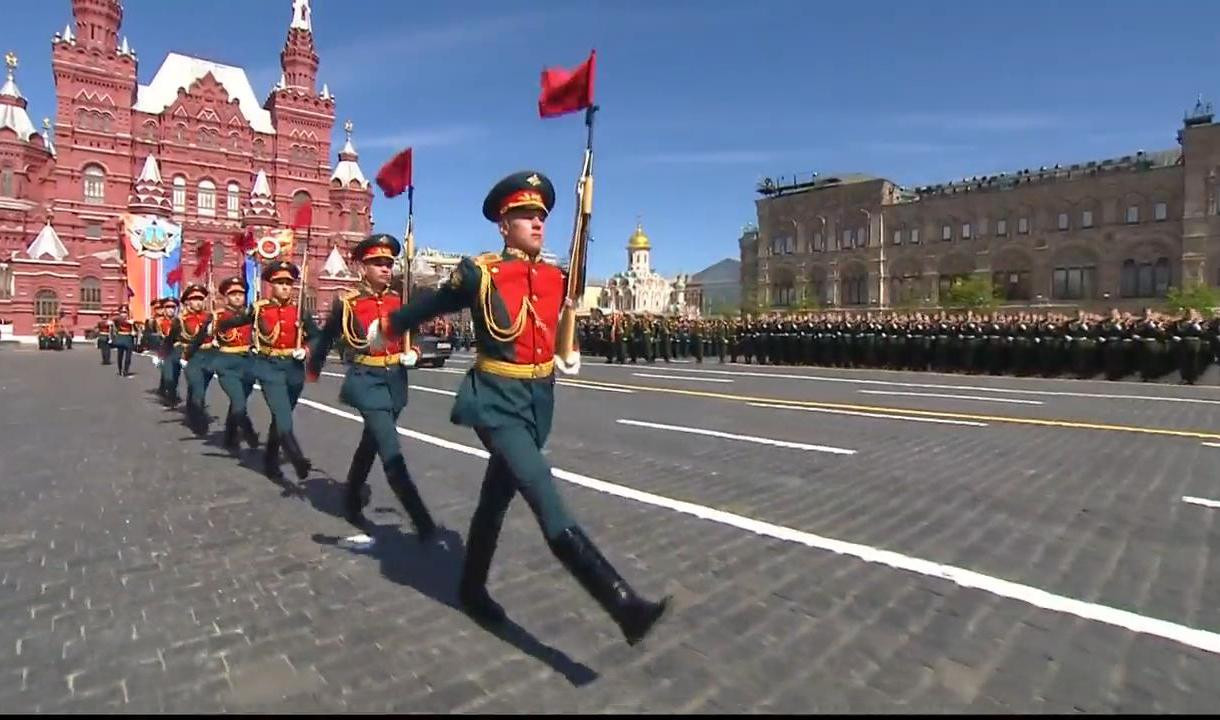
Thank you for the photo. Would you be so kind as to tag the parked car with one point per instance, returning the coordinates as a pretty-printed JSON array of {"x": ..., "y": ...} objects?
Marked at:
[{"x": 433, "y": 350}]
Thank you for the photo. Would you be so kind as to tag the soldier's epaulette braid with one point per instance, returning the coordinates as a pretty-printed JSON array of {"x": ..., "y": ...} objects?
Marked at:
[
  {"x": 347, "y": 323},
  {"x": 487, "y": 258}
]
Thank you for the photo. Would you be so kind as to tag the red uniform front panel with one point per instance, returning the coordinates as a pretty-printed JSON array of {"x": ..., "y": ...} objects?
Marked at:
[
  {"x": 238, "y": 336},
  {"x": 367, "y": 308},
  {"x": 542, "y": 284},
  {"x": 278, "y": 325},
  {"x": 191, "y": 322}
]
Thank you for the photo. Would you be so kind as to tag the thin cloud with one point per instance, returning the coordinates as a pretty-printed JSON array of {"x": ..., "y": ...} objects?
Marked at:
[
  {"x": 423, "y": 137},
  {"x": 710, "y": 157},
  {"x": 988, "y": 122},
  {"x": 899, "y": 147}
]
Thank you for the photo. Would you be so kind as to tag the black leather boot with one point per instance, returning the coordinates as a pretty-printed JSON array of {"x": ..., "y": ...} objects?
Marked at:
[
  {"x": 635, "y": 616},
  {"x": 271, "y": 458},
  {"x": 292, "y": 449},
  {"x": 404, "y": 488},
  {"x": 230, "y": 437},
  {"x": 247, "y": 431},
  {"x": 472, "y": 591},
  {"x": 357, "y": 496}
]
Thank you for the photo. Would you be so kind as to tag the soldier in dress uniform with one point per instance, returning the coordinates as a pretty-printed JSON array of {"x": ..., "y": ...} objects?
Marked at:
[
  {"x": 191, "y": 325},
  {"x": 163, "y": 325},
  {"x": 508, "y": 398},
  {"x": 278, "y": 338},
  {"x": 233, "y": 365},
  {"x": 103, "y": 340},
  {"x": 376, "y": 381},
  {"x": 123, "y": 332}
]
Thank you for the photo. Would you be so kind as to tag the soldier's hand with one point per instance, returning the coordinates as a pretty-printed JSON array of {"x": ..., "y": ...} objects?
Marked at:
[
  {"x": 409, "y": 358},
  {"x": 298, "y": 354},
  {"x": 157, "y": 362},
  {"x": 183, "y": 362}
]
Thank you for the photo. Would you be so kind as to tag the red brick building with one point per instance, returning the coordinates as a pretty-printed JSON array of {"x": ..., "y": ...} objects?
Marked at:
[{"x": 194, "y": 146}]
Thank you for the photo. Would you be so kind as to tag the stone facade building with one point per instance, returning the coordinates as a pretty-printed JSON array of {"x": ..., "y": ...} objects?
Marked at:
[
  {"x": 1113, "y": 233},
  {"x": 194, "y": 149}
]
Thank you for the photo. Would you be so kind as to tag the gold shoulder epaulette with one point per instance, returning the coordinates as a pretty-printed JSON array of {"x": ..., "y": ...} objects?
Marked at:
[
  {"x": 487, "y": 258},
  {"x": 349, "y": 295},
  {"x": 261, "y": 303}
]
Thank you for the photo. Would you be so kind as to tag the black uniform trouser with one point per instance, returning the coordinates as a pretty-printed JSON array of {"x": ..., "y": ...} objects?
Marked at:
[
  {"x": 105, "y": 348},
  {"x": 123, "y": 359}
]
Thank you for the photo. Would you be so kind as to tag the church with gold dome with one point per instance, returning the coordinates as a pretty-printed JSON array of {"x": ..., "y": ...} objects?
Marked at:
[{"x": 642, "y": 290}]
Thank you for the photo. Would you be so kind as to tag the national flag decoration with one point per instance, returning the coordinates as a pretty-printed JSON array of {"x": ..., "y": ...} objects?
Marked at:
[
  {"x": 566, "y": 91},
  {"x": 203, "y": 258},
  {"x": 174, "y": 277},
  {"x": 395, "y": 176}
]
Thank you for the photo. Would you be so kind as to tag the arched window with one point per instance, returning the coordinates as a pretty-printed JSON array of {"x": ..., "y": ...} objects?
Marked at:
[
  {"x": 233, "y": 201},
  {"x": 353, "y": 221},
  {"x": 46, "y": 306},
  {"x": 8, "y": 185},
  {"x": 90, "y": 293},
  {"x": 179, "y": 194},
  {"x": 855, "y": 289},
  {"x": 6, "y": 281},
  {"x": 95, "y": 185},
  {"x": 206, "y": 200},
  {"x": 1147, "y": 279},
  {"x": 299, "y": 198}
]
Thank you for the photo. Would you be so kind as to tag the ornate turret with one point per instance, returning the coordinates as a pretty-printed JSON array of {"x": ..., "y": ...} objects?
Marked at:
[
  {"x": 47, "y": 245},
  {"x": 262, "y": 206},
  {"x": 298, "y": 59},
  {"x": 13, "y": 104},
  {"x": 348, "y": 168},
  {"x": 149, "y": 193},
  {"x": 638, "y": 240},
  {"x": 97, "y": 23}
]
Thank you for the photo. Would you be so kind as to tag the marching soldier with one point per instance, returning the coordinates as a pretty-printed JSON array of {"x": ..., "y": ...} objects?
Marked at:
[
  {"x": 123, "y": 332},
  {"x": 191, "y": 325},
  {"x": 232, "y": 365},
  {"x": 163, "y": 325},
  {"x": 279, "y": 339},
  {"x": 103, "y": 340},
  {"x": 375, "y": 383},
  {"x": 508, "y": 398}
]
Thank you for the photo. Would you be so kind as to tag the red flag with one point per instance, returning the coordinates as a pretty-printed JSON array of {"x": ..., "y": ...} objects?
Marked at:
[
  {"x": 395, "y": 176},
  {"x": 565, "y": 91},
  {"x": 244, "y": 242},
  {"x": 203, "y": 258},
  {"x": 174, "y": 277},
  {"x": 303, "y": 217}
]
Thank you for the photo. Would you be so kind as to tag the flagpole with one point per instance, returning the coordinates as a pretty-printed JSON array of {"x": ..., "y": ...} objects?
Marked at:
[
  {"x": 304, "y": 274},
  {"x": 565, "y": 340},
  {"x": 408, "y": 254}
]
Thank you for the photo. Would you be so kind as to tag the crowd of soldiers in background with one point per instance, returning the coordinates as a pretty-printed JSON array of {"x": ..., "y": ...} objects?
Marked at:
[{"x": 1053, "y": 344}]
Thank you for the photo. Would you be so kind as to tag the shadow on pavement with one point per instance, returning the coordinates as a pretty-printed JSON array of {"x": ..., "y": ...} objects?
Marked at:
[{"x": 434, "y": 571}]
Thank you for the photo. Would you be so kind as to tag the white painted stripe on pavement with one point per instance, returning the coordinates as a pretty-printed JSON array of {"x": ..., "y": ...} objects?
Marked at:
[
  {"x": 1201, "y": 501},
  {"x": 954, "y": 397},
  {"x": 567, "y": 383},
  {"x": 745, "y": 438},
  {"x": 437, "y": 391},
  {"x": 931, "y": 386},
  {"x": 681, "y": 377},
  {"x": 1212, "y": 444},
  {"x": 883, "y": 416},
  {"x": 582, "y": 386},
  {"x": 1176, "y": 632}
]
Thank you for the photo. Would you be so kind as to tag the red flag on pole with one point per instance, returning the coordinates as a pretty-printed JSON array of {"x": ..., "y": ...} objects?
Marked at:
[
  {"x": 395, "y": 176},
  {"x": 203, "y": 258},
  {"x": 174, "y": 277},
  {"x": 244, "y": 242},
  {"x": 565, "y": 91},
  {"x": 303, "y": 217}
]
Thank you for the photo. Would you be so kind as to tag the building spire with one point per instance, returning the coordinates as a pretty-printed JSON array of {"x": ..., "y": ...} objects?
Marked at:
[
  {"x": 348, "y": 169},
  {"x": 97, "y": 23},
  {"x": 298, "y": 59},
  {"x": 13, "y": 104}
]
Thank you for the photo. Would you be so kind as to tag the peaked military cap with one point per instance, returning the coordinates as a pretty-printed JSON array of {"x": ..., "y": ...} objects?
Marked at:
[
  {"x": 375, "y": 246},
  {"x": 165, "y": 302},
  {"x": 229, "y": 283},
  {"x": 281, "y": 270},
  {"x": 521, "y": 189},
  {"x": 194, "y": 290}
]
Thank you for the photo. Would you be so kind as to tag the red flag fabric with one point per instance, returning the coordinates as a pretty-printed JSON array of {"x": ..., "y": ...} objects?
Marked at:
[
  {"x": 303, "y": 217},
  {"x": 174, "y": 277},
  {"x": 203, "y": 258},
  {"x": 395, "y": 176},
  {"x": 566, "y": 91},
  {"x": 244, "y": 242}
]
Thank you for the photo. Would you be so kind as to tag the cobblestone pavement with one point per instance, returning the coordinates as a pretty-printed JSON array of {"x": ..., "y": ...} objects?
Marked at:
[{"x": 957, "y": 557}]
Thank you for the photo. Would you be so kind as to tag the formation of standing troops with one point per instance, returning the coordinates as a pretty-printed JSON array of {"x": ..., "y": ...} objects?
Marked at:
[
  {"x": 1047, "y": 344},
  {"x": 507, "y": 398}
]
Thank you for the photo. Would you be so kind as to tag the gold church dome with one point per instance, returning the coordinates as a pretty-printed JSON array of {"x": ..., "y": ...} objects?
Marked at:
[{"x": 638, "y": 240}]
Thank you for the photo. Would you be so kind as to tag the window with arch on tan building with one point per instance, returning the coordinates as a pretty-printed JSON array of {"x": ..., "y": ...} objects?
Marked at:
[
  {"x": 205, "y": 201},
  {"x": 179, "y": 194},
  {"x": 90, "y": 293},
  {"x": 233, "y": 201},
  {"x": 1146, "y": 279},
  {"x": 46, "y": 306},
  {"x": 95, "y": 185},
  {"x": 855, "y": 287}
]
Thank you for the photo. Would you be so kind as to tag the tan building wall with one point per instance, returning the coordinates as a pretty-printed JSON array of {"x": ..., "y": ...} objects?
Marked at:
[{"x": 1112, "y": 233}]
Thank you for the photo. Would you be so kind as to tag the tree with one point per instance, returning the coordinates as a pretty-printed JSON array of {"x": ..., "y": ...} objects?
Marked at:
[
  {"x": 807, "y": 303},
  {"x": 971, "y": 293},
  {"x": 1193, "y": 296}
]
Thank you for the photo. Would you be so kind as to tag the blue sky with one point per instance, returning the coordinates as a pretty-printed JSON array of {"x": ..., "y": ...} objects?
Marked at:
[{"x": 700, "y": 99}]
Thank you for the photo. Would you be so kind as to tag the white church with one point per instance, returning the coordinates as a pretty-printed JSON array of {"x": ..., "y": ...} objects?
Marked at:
[{"x": 641, "y": 289}]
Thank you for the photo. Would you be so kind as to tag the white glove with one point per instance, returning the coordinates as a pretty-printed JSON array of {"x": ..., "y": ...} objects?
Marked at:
[
  {"x": 569, "y": 367},
  {"x": 298, "y": 354},
  {"x": 182, "y": 362},
  {"x": 408, "y": 359},
  {"x": 373, "y": 335},
  {"x": 157, "y": 362}
]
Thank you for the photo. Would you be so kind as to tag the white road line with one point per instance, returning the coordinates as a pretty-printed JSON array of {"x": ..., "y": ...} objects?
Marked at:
[
  {"x": 566, "y": 383},
  {"x": 437, "y": 391},
  {"x": 936, "y": 386},
  {"x": 1176, "y": 632},
  {"x": 681, "y": 377},
  {"x": 451, "y": 371},
  {"x": 942, "y": 421},
  {"x": 1201, "y": 501},
  {"x": 746, "y": 438},
  {"x": 955, "y": 397},
  {"x": 1212, "y": 444},
  {"x": 582, "y": 386}
]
